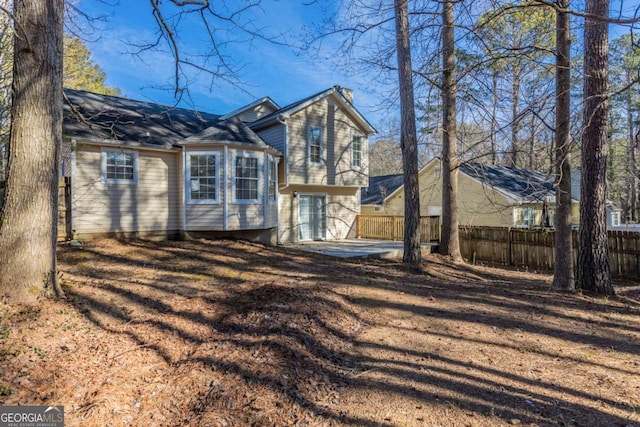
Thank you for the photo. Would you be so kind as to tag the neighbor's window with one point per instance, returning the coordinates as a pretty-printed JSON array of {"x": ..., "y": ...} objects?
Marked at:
[
  {"x": 615, "y": 219},
  {"x": 356, "y": 151},
  {"x": 120, "y": 167},
  {"x": 246, "y": 178},
  {"x": 273, "y": 165},
  {"x": 315, "y": 145},
  {"x": 528, "y": 216},
  {"x": 202, "y": 178}
]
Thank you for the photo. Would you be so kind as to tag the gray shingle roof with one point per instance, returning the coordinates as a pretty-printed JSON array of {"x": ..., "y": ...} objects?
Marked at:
[
  {"x": 520, "y": 184},
  {"x": 379, "y": 188},
  {"x": 230, "y": 130},
  {"x": 126, "y": 120}
]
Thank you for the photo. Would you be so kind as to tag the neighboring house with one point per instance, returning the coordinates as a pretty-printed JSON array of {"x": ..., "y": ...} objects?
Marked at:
[
  {"x": 276, "y": 174},
  {"x": 487, "y": 196},
  {"x": 614, "y": 214}
]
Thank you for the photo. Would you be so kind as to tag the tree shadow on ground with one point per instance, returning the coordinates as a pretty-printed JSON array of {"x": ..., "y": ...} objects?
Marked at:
[{"x": 265, "y": 325}]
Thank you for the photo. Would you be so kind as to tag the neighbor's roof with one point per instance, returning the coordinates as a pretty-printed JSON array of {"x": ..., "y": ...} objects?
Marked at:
[
  {"x": 293, "y": 108},
  {"x": 115, "y": 118},
  {"x": 230, "y": 130},
  {"x": 518, "y": 184},
  {"x": 379, "y": 188}
]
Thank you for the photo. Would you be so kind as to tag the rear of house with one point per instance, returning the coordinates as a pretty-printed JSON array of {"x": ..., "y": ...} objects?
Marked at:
[
  {"x": 324, "y": 141},
  {"x": 262, "y": 172}
]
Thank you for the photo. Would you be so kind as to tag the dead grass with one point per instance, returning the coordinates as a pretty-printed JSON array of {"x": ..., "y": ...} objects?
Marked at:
[{"x": 228, "y": 333}]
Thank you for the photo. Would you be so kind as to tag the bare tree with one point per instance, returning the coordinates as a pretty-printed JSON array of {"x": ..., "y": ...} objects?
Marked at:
[
  {"x": 563, "y": 279},
  {"x": 450, "y": 244},
  {"x": 408, "y": 137},
  {"x": 594, "y": 274},
  {"x": 28, "y": 223}
]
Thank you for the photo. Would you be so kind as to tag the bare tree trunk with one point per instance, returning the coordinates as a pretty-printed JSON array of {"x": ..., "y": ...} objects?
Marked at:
[
  {"x": 450, "y": 244},
  {"x": 28, "y": 226},
  {"x": 494, "y": 116},
  {"x": 515, "y": 124},
  {"x": 532, "y": 143},
  {"x": 408, "y": 137},
  {"x": 594, "y": 273},
  {"x": 563, "y": 279},
  {"x": 631, "y": 154}
]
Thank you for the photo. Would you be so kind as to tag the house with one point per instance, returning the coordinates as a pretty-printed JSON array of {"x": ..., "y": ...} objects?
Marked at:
[
  {"x": 277, "y": 174},
  {"x": 614, "y": 213},
  {"x": 487, "y": 195}
]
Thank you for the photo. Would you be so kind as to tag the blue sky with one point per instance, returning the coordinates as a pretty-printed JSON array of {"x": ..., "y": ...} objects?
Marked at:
[{"x": 267, "y": 69}]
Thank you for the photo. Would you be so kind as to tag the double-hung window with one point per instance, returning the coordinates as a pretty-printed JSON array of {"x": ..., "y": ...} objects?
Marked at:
[
  {"x": 246, "y": 179},
  {"x": 315, "y": 145},
  {"x": 273, "y": 177},
  {"x": 119, "y": 167},
  {"x": 356, "y": 151},
  {"x": 202, "y": 177}
]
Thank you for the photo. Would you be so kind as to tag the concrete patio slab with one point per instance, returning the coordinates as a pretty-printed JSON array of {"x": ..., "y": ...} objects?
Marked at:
[{"x": 360, "y": 248}]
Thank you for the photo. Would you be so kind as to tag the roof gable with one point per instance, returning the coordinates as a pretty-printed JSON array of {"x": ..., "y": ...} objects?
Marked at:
[
  {"x": 230, "y": 130},
  {"x": 335, "y": 92},
  {"x": 266, "y": 102}
]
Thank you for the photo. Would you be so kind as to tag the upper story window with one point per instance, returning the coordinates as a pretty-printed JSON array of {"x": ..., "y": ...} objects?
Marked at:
[
  {"x": 202, "y": 177},
  {"x": 119, "y": 167},
  {"x": 246, "y": 178},
  {"x": 356, "y": 151},
  {"x": 315, "y": 145},
  {"x": 273, "y": 179}
]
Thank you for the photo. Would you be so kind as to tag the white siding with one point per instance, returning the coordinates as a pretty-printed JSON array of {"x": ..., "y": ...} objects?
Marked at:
[{"x": 153, "y": 204}]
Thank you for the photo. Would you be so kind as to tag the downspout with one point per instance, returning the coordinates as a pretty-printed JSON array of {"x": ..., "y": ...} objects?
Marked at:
[
  {"x": 225, "y": 206},
  {"x": 265, "y": 183},
  {"x": 72, "y": 190},
  {"x": 184, "y": 191},
  {"x": 278, "y": 241},
  {"x": 282, "y": 120}
]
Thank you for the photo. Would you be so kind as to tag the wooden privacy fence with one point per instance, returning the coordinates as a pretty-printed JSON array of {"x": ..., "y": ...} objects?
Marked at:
[
  {"x": 535, "y": 248},
  {"x": 391, "y": 227}
]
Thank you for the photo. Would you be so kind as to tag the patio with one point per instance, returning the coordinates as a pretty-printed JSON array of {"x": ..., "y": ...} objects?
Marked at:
[{"x": 361, "y": 248}]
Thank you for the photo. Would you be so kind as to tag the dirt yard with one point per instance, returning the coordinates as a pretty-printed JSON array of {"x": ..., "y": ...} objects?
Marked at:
[{"x": 230, "y": 334}]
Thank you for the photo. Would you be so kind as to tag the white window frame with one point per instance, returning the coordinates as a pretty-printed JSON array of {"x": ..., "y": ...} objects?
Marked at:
[
  {"x": 353, "y": 150},
  {"x": 272, "y": 180},
  {"x": 615, "y": 219},
  {"x": 187, "y": 177},
  {"x": 259, "y": 179},
  {"x": 104, "y": 152},
  {"x": 528, "y": 216},
  {"x": 309, "y": 144}
]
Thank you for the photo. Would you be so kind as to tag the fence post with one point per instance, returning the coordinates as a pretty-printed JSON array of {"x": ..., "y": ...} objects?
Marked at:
[{"x": 510, "y": 238}]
